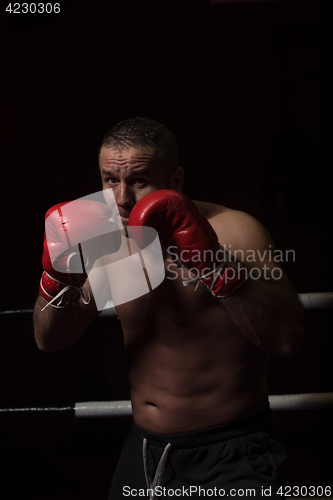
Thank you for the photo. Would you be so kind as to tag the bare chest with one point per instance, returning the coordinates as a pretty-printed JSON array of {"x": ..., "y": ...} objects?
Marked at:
[{"x": 172, "y": 309}]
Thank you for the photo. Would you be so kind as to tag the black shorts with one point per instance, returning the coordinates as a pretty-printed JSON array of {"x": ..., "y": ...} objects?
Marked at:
[{"x": 241, "y": 460}]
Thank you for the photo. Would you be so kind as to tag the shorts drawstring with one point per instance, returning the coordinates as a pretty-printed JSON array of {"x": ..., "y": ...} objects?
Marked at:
[{"x": 159, "y": 471}]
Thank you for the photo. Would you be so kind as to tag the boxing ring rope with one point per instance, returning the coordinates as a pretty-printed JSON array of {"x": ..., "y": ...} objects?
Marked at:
[
  {"x": 122, "y": 409},
  {"x": 287, "y": 402},
  {"x": 316, "y": 300}
]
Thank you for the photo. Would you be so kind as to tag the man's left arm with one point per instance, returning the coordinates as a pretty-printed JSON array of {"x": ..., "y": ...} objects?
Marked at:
[
  {"x": 266, "y": 311},
  {"x": 266, "y": 308}
]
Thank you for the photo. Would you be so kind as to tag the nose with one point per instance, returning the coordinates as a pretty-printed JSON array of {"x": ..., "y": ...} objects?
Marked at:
[{"x": 125, "y": 197}]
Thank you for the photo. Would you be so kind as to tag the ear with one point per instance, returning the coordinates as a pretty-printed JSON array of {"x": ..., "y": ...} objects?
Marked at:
[{"x": 177, "y": 179}]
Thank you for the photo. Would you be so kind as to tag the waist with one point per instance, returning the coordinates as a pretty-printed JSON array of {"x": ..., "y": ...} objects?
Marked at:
[{"x": 260, "y": 420}]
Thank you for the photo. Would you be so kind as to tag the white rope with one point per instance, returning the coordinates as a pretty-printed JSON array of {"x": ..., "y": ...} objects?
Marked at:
[
  {"x": 317, "y": 300},
  {"x": 107, "y": 409},
  {"x": 286, "y": 402},
  {"x": 311, "y": 401},
  {"x": 97, "y": 409}
]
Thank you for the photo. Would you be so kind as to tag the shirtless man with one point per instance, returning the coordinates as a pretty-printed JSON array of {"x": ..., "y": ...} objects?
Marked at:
[{"x": 196, "y": 363}]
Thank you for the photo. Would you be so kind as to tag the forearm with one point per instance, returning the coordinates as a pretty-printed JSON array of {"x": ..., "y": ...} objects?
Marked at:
[
  {"x": 268, "y": 314},
  {"x": 65, "y": 306},
  {"x": 56, "y": 329}
]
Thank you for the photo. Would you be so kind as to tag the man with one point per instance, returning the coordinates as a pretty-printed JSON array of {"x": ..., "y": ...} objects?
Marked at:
[{"x": 197, "y": 355}]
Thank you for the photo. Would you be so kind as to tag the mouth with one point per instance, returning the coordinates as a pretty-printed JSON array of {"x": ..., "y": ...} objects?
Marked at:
[
  {"x": 124, "y": 220},
  {"x": 123, "y": 216}
]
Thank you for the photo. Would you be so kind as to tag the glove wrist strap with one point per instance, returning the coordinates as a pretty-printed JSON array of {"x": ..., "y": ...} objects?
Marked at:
[
  {"x": 217, "y": 280},
  {"x": 59, "y": 300}
]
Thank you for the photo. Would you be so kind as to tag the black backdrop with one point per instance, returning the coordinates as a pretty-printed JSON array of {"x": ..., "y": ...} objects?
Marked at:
[{"x": 244, "y": 87}]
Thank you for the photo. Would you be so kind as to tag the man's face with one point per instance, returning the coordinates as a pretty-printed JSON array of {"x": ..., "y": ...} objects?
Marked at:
[{"x": 132, "y": 174}]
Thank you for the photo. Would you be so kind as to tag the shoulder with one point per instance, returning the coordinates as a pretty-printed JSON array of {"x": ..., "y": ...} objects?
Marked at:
[{"x": 235, "y": 229}]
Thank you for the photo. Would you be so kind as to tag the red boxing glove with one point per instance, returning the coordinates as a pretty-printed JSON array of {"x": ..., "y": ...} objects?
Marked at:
[
  {"x": 176, "y": 217},
  {"x": 76, "y": 234}
]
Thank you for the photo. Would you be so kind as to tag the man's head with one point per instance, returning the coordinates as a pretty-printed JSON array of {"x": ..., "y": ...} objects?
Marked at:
[
  {"x": 138, "y": 156},
  {"x": 144, "y": 133}
]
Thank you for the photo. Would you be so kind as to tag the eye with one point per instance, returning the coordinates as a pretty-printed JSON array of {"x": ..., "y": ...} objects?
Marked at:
[
  {"x": 140, "y": 181},
  {"x": 112, "y": 180}
]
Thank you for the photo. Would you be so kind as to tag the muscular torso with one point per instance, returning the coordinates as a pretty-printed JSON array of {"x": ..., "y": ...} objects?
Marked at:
[{"x": 189, "y": 367}]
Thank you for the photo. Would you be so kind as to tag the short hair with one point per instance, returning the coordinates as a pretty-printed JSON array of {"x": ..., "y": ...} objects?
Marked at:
[{"x": 143, "y": 132}]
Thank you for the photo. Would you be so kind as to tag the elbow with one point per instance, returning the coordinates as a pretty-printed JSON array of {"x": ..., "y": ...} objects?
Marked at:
[
  {"x": 45, "y": 348},
  {"x": 292, "y": 342},
  {"x": 44, "y": 345}
]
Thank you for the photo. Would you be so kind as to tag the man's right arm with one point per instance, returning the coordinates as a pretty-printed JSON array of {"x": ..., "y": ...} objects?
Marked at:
[
  {"x": 64, "y": 309},
  {"x": 56, "y": 329}
]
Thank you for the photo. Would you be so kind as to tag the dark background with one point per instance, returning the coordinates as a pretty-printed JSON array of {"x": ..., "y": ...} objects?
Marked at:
[{"x": 244, "y": 87}]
